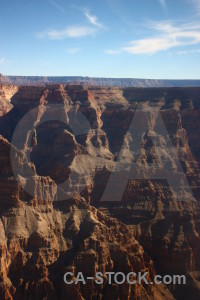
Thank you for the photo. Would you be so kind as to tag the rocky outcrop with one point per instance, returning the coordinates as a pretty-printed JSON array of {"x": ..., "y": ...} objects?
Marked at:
[
  {"x": 40, "y": 242},
  {"x": 79, "y": 134},
  {"x": 6, "y": 93}
]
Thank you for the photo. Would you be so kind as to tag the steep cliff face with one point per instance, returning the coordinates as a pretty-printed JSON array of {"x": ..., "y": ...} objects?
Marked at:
[
  {"x": 6, "y": 92},
  {"x": 40, "y": 242},
  {"x": 79, "y": 135}
]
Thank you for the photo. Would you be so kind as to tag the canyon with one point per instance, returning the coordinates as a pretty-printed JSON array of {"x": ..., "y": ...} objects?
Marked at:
[
  {"x": 6, "y": 93},
  {"x": 59, "y": 147}
]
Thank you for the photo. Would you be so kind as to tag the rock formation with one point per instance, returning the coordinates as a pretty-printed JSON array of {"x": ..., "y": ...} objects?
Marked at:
[
  {"x": 41, "y": 241},
  {"x": 6, "y": 92},
  {"x": 44, "y": 234}
]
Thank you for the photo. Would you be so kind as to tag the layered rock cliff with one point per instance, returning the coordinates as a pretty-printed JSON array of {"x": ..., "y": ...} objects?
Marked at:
[
  {"x": 6, "y": 92},
  {"x": 41, "y": 241},
  {"x": 77, "y": 134}
]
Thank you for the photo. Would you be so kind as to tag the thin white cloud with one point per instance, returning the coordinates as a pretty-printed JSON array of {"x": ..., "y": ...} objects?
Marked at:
[
  {"x": 167, "y": 36},
  {"x": 56, "y": 5},
  {"x": 150, "y": 46},
  {"x": 69, "y": 32},
  {"x": 188, "y": 51},
  {"x": 92, "y": 18},
  {"x": 73, "y": 50},
  {"x": 2, "y": 60}
]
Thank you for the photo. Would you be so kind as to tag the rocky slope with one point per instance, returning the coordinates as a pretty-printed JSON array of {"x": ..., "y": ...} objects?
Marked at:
[
  {"x": 6, "y": 92},
  {"x": 41, "y": 241},
  {"x": 79, "y": 134}
]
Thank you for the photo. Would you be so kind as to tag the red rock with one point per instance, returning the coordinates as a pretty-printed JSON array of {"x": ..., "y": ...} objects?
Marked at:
[{"x": 46, "y": 238}]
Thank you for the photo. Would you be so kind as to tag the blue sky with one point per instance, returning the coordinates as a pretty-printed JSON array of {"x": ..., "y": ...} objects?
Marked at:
[{"x": 103, "y": 38}]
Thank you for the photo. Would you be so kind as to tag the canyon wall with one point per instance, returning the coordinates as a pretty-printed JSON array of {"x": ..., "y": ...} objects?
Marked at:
[
  {"x": 150, "y": 227},
  {"x": 41, "y": 241},
  {"x": 6, "y": 93}
]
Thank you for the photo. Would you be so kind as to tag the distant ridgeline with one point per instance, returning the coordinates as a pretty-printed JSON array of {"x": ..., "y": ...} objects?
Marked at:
[{"x": 97, "y": 81}]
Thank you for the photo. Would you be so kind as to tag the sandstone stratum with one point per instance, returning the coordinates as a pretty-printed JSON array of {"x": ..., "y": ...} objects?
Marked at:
[{"x": 43, "y": 236}]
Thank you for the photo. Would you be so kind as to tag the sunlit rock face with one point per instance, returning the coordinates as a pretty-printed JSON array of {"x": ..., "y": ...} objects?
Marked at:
[
  {"x": 6, "y": 93},
  {"x": 76, "y": 134}
]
